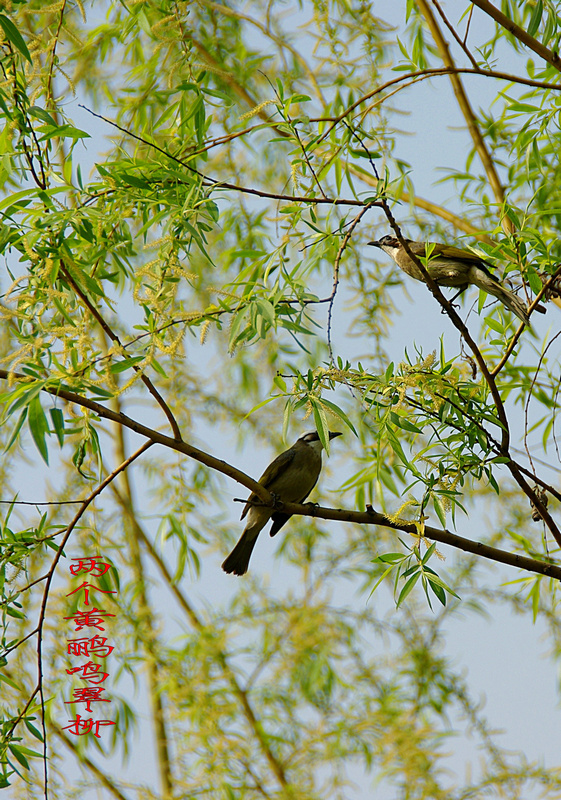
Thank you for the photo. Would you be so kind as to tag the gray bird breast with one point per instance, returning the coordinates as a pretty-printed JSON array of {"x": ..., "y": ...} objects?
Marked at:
[{"x": 300, "y": 477}]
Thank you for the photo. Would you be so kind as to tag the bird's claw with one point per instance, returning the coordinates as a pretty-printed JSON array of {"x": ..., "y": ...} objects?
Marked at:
[{"x": 277, "y": 502}]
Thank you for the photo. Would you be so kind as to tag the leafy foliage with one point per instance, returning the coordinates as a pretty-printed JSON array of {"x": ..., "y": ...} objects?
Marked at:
[{"x": 193, "y": 263}]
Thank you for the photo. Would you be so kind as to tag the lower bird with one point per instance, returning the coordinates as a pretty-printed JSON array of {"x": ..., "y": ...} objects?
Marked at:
[
  {"x": 450, "y": 266},
  {"x": 291, "y": 477}
]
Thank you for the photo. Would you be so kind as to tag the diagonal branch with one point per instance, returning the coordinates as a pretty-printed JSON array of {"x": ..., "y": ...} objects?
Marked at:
[
  {"x": 444, "y": 536},
  {"x": 551, "y": 56},
  {"x": 464, "y": 104},
  {"x": 305, "y": 510},
  {"x": 49, "y": 578},
  {"x": 114, "y": 338},
  {"x": 101, "y": 778},
  {"x": 241, "y": 693},
  {"x": 216, "y": 184},
  {"x": 336, "y": 265}
]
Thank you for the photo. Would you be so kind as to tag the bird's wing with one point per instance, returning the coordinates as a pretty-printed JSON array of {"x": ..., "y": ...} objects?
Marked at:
[
  {"x": 272, "y": 472},
  {"x": 448, "y": 251}
]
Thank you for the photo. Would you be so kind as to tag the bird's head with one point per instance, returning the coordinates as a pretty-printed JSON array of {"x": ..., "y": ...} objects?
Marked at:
[
  {"x": 389, "y": 244},
  {"x": 312, "y": 439}
]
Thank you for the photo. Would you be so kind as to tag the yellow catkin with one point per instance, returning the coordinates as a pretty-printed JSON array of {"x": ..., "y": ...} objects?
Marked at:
[
  {"x": 161, "y": 22},
  {"x": 294, "y": 172},
  {"x": 204, "y": 330},
  {"x": 257, "y": 109},
  {"x": 222, "y": 293},
  {"x": 29, "y": 250}
]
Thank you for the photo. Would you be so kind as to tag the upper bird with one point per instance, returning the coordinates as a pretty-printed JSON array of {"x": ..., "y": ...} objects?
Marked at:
[
  {"x": 450, "y": 266},
  {"x": 291, "y": 477}
]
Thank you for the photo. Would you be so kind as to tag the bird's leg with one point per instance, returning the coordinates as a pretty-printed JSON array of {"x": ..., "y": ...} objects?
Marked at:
[{"x": 458, "y": 293}]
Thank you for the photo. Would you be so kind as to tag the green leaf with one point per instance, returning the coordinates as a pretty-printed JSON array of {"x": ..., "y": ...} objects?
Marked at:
[
  {"x": 16, "y": 751},
  {"x": 38, "y": 426},
  {"x": 429, "y": 553},
  {"x": 82, "y": 278},
  {"x": 126, "y": 363},
  {"x": 266, "y": 310},
  {"x": 403, "y": 423},
  {"x": 339, "y": 413},
  {"x": 536, "y": 18},
  {"x": 14, "y": 36},
  {"x": 408, "y": 587},
  {"x": 32, "y": 729},
  {"x": 320, "y": 419},
  {"x": 4, "y": 678},
  {"x": 525, "y": 108},
  {"x": 62, "y": 132},
  {"x": 438, "y": 590},
  {"x": 15, "y": 613},
  {"x": 40, "y": 113},
  {"x": 17, "y": 429},
  {"x": 391, "y": 558},
  {"x": 57, "y": 418}
]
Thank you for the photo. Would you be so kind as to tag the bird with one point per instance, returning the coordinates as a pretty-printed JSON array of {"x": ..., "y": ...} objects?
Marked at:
[
  {"x": 451, "y": 266},
  {"x": 290, "y": 477}
]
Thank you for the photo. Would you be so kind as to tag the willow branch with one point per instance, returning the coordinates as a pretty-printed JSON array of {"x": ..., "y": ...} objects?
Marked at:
[
  {"x": 437, "y": 534},
  {"x": 149, "y": 433},
  {"x": 452, "y": 30},
  {"x": 336, "y": 265},
  {"x": 263, "y": 494},
  {"x": 282, "y": 44},
  {"x": 548, "y": 55},
  {"x": 216, "y": 184},
  {"x": 241, "y": 693},
  {"x": 81, "y": 756},
  {"x": 114, "y": 338},
  {"x": 464, "y": 104},
  {"x": 49, "y": 578}
]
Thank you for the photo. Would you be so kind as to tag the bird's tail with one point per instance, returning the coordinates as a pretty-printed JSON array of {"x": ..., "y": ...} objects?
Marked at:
[
  {"x": 484, "y": 280},
  {"x": 238, "y": 560}
]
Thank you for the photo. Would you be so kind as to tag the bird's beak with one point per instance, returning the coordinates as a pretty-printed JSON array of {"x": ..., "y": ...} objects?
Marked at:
[
  {"x": 375, "y": 244},
  {"x": 333, "y": 434}
]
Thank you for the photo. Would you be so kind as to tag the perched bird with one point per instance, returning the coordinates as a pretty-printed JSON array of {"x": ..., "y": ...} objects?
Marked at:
[
  {"x": 291, "y": 477},
  {"x": 450, "y": 266}
]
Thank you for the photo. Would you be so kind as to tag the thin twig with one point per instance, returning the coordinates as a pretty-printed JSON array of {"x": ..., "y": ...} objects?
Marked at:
[
  {"x": 39, "y": 630},
  {"x": 336, "y": 265},
  {"x": 452, "y": 30},
  {"x": 216, "y": 184},
  {"x": 114, "y": 338}
]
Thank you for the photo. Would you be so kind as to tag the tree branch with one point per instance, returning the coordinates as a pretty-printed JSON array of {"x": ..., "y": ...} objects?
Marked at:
[
  {"x": 439, "y": 535},
  {"x": 464, "y": 104},
  {"x": 49, "y": 578},
  {"x": 215, "y": 184},
  {"x": 81, "y": 756},
  {"x": 548, "y": 55},
  {"x": 198, "y": 624},
  {"x": 292, "y": 508},
  {"x": 114, "y": 338}
]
